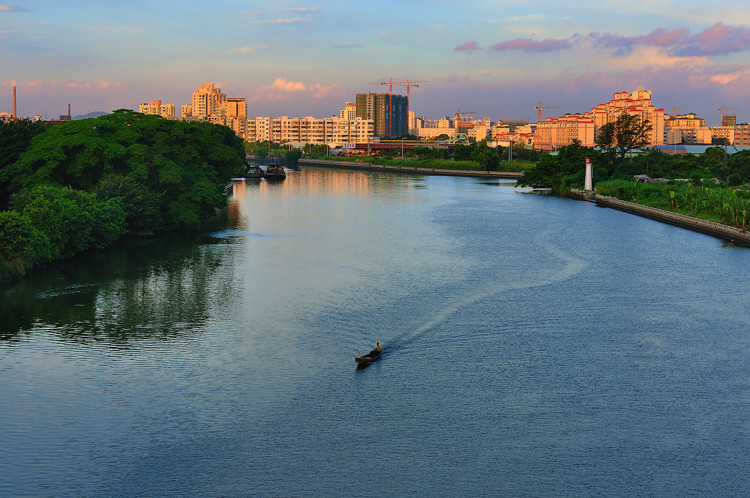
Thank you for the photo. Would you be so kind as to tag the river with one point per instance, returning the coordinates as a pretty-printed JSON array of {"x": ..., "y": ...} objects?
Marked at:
[{"x": 534, "y": 346}]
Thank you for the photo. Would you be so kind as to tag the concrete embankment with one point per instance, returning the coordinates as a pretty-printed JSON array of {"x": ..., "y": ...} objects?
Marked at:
[
  {"x": 511, "y": 175},
  {"x": 725, "y": 232}
]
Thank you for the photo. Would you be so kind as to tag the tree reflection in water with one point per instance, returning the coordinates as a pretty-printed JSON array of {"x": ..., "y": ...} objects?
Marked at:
[{"x": 149, "y": 289}]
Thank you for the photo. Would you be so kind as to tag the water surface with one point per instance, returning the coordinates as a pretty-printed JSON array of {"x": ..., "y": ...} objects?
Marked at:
[{"x": 534, "y": 346}]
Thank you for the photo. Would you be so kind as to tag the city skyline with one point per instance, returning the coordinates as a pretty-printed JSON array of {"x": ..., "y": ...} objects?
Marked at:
[{"x": 498, "y": 59}]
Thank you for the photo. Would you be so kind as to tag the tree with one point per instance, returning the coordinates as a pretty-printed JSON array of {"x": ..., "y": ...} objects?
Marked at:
[
  {"x": 562, "y": 171},
  {"x": 617, "y": 138},
  {"x": 15, "y": 139}
]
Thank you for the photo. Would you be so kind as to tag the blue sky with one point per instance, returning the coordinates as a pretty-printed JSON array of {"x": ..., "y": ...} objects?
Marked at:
[{"x": 495, "y": 58}]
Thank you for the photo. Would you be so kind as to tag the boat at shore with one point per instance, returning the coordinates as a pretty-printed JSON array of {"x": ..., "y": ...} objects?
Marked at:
[
  {"x": 274, "y": 172},
  {"x": 254, "y": 173}
]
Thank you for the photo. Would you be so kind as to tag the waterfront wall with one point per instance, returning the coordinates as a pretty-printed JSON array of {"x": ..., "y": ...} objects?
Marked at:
[
  {"x": 511, "y": 175},
  {"x": 732, "y": 234}
]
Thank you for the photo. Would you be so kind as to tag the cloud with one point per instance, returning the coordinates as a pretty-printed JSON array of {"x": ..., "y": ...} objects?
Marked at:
[
  {"x": 515, "y": 19},
  {"x": 247, "y": 50},
  {"x": 349, "y": 46},
  {"x": 283, "y": 89},
  {"x": 96, "y": 85},
  {"x": 468, "y": 47},
  {"x": 311, "y": 10},
  {"x": 289, "y": 86},
  {"x": 13, "y": 8},
  {"x": 291, "y": 20},
  {"x": 718, "y": 39},
  {"x": 530, "y": 45},
  {"x": 41, "y": 84}
]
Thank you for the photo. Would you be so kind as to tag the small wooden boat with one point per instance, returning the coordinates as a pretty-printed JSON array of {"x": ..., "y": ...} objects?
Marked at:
[{"x": 370, "y": 357}]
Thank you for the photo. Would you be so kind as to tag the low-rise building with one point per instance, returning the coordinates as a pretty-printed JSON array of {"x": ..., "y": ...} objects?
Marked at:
[
  {"x": 433, "y": 128},
  {"x": 687, "y": 129},
  {"x": 724, "y": 133},
  {"x": 333, "y": 131}
]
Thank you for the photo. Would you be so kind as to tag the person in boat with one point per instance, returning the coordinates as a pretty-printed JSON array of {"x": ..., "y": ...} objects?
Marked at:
[{"x": 378, "y": 348}]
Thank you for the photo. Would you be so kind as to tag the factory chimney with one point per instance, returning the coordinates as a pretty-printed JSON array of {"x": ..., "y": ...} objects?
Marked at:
[
  {"x": 68, "y": 111},
  {"x": 14, "y": 102}
]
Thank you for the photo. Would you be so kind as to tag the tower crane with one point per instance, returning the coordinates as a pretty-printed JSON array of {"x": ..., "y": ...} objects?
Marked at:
[
  {"x": 722, "y": 109},
  {"x": 540, "y": 107},
  {"x": 408, "y": 84},
  {"x": 458, "y": 114}
]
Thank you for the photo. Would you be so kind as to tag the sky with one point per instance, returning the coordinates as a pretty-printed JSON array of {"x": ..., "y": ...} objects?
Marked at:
[{"x": 493, "y": 58}]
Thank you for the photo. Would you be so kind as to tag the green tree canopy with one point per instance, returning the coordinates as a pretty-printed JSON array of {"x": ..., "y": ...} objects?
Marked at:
[{"x": 617, "y": 138}]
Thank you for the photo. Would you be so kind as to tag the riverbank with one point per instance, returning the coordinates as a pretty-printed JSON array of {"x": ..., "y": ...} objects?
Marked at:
[
  {"x": 725, "y": 232},
  {"x": 509, "y": 175}
]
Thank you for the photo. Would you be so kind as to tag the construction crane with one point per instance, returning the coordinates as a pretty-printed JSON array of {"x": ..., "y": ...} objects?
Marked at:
[
  {"x": 722, "y": 109},
  {"x": 458, "y": 115},
  {"x": 540, "y": 107},
  {"x": 674, "y": 112},
  {"x": 408, "y": 84}
]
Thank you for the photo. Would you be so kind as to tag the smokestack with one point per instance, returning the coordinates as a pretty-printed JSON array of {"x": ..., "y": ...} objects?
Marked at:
[
  {"x": 14, "y": 102},
  {"x": 68, "y": 110}
]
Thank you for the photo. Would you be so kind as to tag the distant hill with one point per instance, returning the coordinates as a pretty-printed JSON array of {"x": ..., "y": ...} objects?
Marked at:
[{"x": 94, "y": 114}]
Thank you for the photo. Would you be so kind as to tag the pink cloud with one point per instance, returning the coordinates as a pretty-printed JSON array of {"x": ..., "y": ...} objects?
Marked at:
[
  {"x": 718, "y": 39},
  {"x": 468, "y": 47},
  {"x": 282, "y": 89},
  {"x": 97, "y": 85},
  {"x": 289, "y": 20},
  {"x": 530, "y": 45},
  {"x": 13, "y": 8},
  {"x": 289, "y": 86}
]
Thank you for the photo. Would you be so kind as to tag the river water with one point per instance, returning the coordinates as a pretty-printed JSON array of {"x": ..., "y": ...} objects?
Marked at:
[{"x": 534, "y": 346}]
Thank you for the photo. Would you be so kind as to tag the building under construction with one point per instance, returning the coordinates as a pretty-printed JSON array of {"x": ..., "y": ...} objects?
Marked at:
[{"x": 388, "y": 112}]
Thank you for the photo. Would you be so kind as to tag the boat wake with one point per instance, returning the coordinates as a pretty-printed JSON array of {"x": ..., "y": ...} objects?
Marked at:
[{"x": 562, "y": 266}]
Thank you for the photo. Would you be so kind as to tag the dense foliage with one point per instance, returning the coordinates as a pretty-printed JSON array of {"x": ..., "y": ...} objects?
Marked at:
[
  {"x": 619, "y": 137},
  {"x": 728, "y": 206},
  {"x": 15, "y": 138},
  {"x": 83, "y": 184},
  {"x": 566, "y": 170}
]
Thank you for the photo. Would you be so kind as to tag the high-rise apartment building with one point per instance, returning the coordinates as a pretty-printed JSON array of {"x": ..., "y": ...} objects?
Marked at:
[
  {"x": 156, "y": 107},
  {"x": 388, "y": 113},
  {"x": 729, "y": 120},
  {"x": 558, "y": 132},
  {"x": 637, "y": 104},
  {"x": 349, "y": 111},
  {"x": 206, "y": 102},
  {"x": 553, "y": 133},
  {"x": 236, "y": 107}
]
